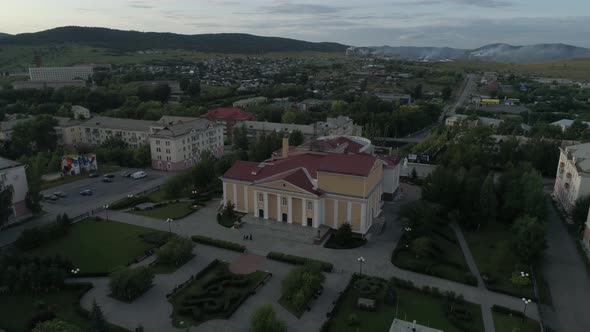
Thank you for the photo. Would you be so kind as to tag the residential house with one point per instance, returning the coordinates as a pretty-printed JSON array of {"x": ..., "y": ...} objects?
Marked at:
[
  {"x": 13, "y": 175},
  {"x": 564, "y": 124},
  {"x": 572, "y": 180}
]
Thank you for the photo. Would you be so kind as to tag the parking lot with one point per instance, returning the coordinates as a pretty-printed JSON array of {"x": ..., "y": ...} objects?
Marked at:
[{"x": 103, "y": 193}]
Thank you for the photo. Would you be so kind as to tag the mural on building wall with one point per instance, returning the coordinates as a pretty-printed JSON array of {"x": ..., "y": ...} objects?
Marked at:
[{"x": 73, "y": 164}]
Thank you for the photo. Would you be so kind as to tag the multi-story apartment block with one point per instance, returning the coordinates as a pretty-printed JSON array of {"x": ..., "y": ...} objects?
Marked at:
[
  {"x": 177, "y": 143},
  {"x": 13, "y": 175},
  {"x": 340, "y": 126},
  {"x": 309, "y": 188},
  {"x": 61, "y": 73},
  {"x": 229, "y": 117},
  {"x": 97, "y": 130},
  {"x": 573, "y": 175}
]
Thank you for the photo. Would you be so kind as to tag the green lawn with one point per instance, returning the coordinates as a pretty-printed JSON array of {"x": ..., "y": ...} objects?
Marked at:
[
  {"x": 447, "y": 260},
  {"x": 413, "y": 305},
  {"x": 203, "y": 299},
  {"x": 18, "y": 309},
  {"x": 99, "y": 246},
  {"x": 507, "y": 323},
  {"x": 158, "y": 196},
  {"x": 173, "y": 210},
  {"x": 491, "y": 250}
]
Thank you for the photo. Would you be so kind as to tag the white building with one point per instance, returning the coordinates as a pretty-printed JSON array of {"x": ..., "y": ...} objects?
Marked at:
[
  {"x": 12, "y": 174},
  {"x": 97, "y": 130},
  {"x": 80, "y": 112},
  {"x": 250, "y": 101},
  {"x": 573, "y": 175},
  {"x": 61, "y": 73},
  {"x": 178, "y": 142},
  {"x": 564, "y": 124}
]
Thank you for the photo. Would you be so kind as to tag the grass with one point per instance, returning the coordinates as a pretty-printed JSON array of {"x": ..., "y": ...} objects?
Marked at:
[
  {"x": 173, "y": 210},
  {"x": 158, "y": 196},
  {"x": 427, "y": 310},
  {"x": 74, "y": 178},
  {"x": 167, "y": 269},
  {"x": 493, "y": 255},
  {"x": 446, "y": 261},
  {"x": 507, "y": 323},
  {"x": 196, "y": 287},
  {"x": 19, "y": 308},
  {"x": 98, "y": 246}
]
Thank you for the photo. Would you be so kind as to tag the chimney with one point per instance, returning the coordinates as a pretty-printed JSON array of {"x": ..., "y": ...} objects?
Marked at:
[{"x": 285, "y": 146}]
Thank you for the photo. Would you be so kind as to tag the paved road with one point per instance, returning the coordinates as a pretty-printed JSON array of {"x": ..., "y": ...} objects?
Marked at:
[{"x": 568, "y": 280}]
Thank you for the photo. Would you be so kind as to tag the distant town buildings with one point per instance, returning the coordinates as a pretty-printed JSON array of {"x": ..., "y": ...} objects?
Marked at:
[
  {"x": 403, "y": 98},
  {"x": 564, "y": 124},
  {"x": 341, "y": 125},
  {"x": 61, "y": 73},
  {"x": 39, "y": 85},
  {"x": 243, "y": 103},
  {"x": 13, "y": 176}
]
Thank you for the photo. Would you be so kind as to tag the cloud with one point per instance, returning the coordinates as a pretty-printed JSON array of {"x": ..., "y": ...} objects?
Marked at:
[
  {"x": 475, "y": 3},
  {"x": 142, "y": 4},
  {"x": 299, "y": 8}
]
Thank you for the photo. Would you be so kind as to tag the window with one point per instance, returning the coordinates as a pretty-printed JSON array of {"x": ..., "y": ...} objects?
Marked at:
[
  {"x": 284, "y": 201},
  {"x": 167, "y": 150},
  {"x": 260, "y": 197},
  {"x": 309, "y": 205}
]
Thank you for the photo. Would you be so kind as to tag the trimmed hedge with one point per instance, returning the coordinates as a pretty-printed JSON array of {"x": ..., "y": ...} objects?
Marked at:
[
  {"x": 507, "y": 311},
  {"x": 218, "y": 243},
  {"x": 130, "y": 202},
  {"x": 298, "y": 260}
]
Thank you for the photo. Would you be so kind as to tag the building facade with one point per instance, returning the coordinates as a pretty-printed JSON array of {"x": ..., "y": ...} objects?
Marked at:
[
  {"x": 179, "y": 142},
  {"x": 309, "y": 189},
  {"x": 13, "y": 175},
  {"x": 61, "y": 73},
  {"x": 97, "y": 130},
  {"x": 572, "y": 180},
  {"x": 250, "y": 102},
  {"x": 229, "y": 117}
]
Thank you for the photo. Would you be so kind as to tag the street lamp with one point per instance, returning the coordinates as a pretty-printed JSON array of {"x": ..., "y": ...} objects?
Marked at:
[
  {"x": 75, "y": 271},
  {"x": 524, "y": 274},
  {"x": 169, "y": 221},
  {"x": 361, "y": 260},
  {"x": 408, "y": 229},
  {"x": 106, "y": 209},
  {"x": 194, "y": 192},
  {"x": 526, "y": 302}
]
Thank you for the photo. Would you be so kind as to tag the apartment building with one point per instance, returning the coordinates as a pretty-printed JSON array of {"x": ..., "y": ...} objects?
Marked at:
[
  {"x": 309, "y": 189},
  {"x": 13, "y": 175},
  {"x": 178, "y": 142},
  {"x": 229, "y": 117},
  {"x": 573, "y": 175},
  {"x": 61, "y": 73},
  {"x": 97, "y": 130},
  {"x": 339, "y": 126}
]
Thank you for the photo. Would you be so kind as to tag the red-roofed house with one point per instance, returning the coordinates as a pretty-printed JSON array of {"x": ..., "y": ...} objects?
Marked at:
[
  {"x": 229, "y": 116},
  {"x": 309, "y": 188}
]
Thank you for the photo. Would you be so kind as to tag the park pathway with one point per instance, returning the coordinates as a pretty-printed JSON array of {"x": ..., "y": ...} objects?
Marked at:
[{"x": 486, "y": 306}]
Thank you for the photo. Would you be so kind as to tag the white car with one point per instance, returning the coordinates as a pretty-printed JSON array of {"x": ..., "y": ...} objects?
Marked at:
[{"x": 138, "y": 175}]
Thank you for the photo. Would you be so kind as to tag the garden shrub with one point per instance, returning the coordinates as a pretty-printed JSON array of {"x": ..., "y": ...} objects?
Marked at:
[
  {"x": 156, "y": 239},
  {"x": 298, "y": 260},
  {"x": 218, "y": 243}
]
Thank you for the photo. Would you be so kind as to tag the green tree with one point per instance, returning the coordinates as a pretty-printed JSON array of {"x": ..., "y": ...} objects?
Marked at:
[
  {"x": 264, "y": 319},
  {"x": 446, "y": 93},
  {"x": 301, "y": 283},
  {"x": 488, "y": 201},
  {"x": 97, "y": 321},
  {"x": 55, "y": 325},
  {"x": 289, "y": 117},
  {"x": 528, "y": 239},
  {"x": 129, "y": 283},
  {"x": 34, "y": 173},
  {"x": 176, "y": 251},
  {"x": 296, "y": 138},
  {"x": 5, "y": 205},
  {"x": 162, "y": 92},
  {"x": 142, "y": 156},
  {"x": 184, "y": 83},
  {"x": 194, "y": 89},
  {"x": 240, "y": 138},
  {"x": 343, "y": 234},
  {"x": 338, "y": 107},
  {"x": 421, "y": 247}
]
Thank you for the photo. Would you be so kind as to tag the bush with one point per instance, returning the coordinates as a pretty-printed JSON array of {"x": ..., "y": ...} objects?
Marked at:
[
  {"x": 156, "y": 239},
  {"x": 218, "y": 243},
  {"x": 177, "y": 251},
  {"x": 300, "y": 285},
  {"x": 37, "y": 236},
  {"x": 352, "y": 320},
  {"x": 130, "y": 202},
  {"x": 343, "y": 235},
  {"x": 128, "y": 284},
  {"x": 298, "y": 260},
  {"x": 507, "y": 311}
]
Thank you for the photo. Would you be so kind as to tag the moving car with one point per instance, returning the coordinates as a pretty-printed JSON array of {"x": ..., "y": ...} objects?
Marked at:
[
  {"x": 126, "y": 174},
  {"x": 86, "y": 192},
  {"x": 110, "y": 176},
  {"x": 60, "y": 194},
  {"x": 107, "y": 180},
  {"x": 139, "y": 175},
  {"x": 50, "y": 197},
  {"x": 93, "y": 175}
]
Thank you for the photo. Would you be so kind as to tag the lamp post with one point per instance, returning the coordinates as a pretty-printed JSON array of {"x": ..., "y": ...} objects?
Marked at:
[
  {"x": 106, "y": 210},
  {"x": 361, "y": 260},
  {"x": 75, "y": 271},
  {"x": 194, "y": 192},
  {"x": 169, "y": 221},
  {"x": 526, "y": 302},
  {"x": 408, "y": 229}
]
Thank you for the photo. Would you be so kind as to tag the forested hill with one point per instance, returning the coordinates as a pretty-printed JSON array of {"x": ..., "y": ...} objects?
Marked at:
[
  {"x": 4, "y": 35},
  {"x": 126, "y": 41}
]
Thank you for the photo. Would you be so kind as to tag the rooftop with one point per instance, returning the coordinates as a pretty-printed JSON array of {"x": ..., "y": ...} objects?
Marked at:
[
  {"x": 230, "y": 113},
  {"x": 580, "y": 155},
  {"x": 7, "y": 163},
  {"x": 278, "y": 127},
  {"x": 399, "y": 325},
  {"x": 117, "y": 123},
  {"x": 183, "y": 128}
]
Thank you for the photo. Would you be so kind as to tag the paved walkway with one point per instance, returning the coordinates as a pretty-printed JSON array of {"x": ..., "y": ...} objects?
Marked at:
[{"x": 486, "y": 306}]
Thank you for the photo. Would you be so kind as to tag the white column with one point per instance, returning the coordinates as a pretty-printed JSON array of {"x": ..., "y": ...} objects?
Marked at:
[
  {"x": 290, "y": 212},
  {"x": 265, "y": 205},
  {"x": 335, "y": 213},
  {"x": 349, "y": 213},
  {"x": 363, "y": 217},
  {"x": 235, "y": 196},
  {"x": 316, "y": 214},
  {"x": 256, "y": 204},
  {"x": 224, "y": 193},
  {"x": 279, "y": 208},
  {"x": 246, "y": 199},
  {"x": 303, "y": 211}
]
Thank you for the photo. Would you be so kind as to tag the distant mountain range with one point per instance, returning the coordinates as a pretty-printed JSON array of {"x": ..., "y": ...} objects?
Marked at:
[
  {"x": 493, "y": 52},
  {"x": 128, "y": 41},
  {"x": 4, "y": 35}
]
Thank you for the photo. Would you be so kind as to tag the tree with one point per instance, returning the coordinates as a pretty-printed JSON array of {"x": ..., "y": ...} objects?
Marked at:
[
  {"x": 34, "y": 173},
  {"x": 5, "y": 205},
  {"x": 142, "y": 156},
  {"x": 264, "y": 319},
  {"x": 421, "y": 247},
  {"x": 56, "y": 325},
  {"x": 296, "y": 138},
  {"x": 528, "y": 239},
  {"x": 176, "y": 251},
  {"x": 162, "y": 92},
  {"x": 289, "y": 117},
  {"x": 301, "y": 283},
  {"x": 446, "y": 93},
  {"x": 488, "y": 202},
  {"x": 240, "y": 138},
  {"x": 194, "y": 89},
  {"x": 97, "y": 321},
  {"x": 184, "y": 83},
  {"x": 128, "y": 283},
  {"x": 343, "y": 234}
]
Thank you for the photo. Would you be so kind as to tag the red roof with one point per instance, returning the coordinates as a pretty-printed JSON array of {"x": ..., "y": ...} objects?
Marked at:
[
  {"x": 230, "y": 113},
  {"x": 291, "y": 169}
]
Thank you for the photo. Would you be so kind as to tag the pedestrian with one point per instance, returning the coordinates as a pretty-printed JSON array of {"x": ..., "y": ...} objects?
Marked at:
[{"x": 250, "y": 236}]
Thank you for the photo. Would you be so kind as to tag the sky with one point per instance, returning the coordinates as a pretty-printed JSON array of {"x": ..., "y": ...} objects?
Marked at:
[{"x": 453, "y": 23}]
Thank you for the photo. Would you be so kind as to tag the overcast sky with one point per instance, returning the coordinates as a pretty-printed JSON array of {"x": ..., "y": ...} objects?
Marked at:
[{"x": 454, "y": 23}]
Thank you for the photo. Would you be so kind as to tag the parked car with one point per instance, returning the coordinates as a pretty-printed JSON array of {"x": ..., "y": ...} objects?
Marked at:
[
  {"x": 60, "y": 194},
  {"x": 126, "y": 174},
  {"x": 110, "y": 176},
  {"x": 93, "y": 175},
  {"x": 107, "y": 180},
  {"x": 139, "y": 175},
  {"x": 50, "y": 197},
  {"x": 86, "y": 192}
]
